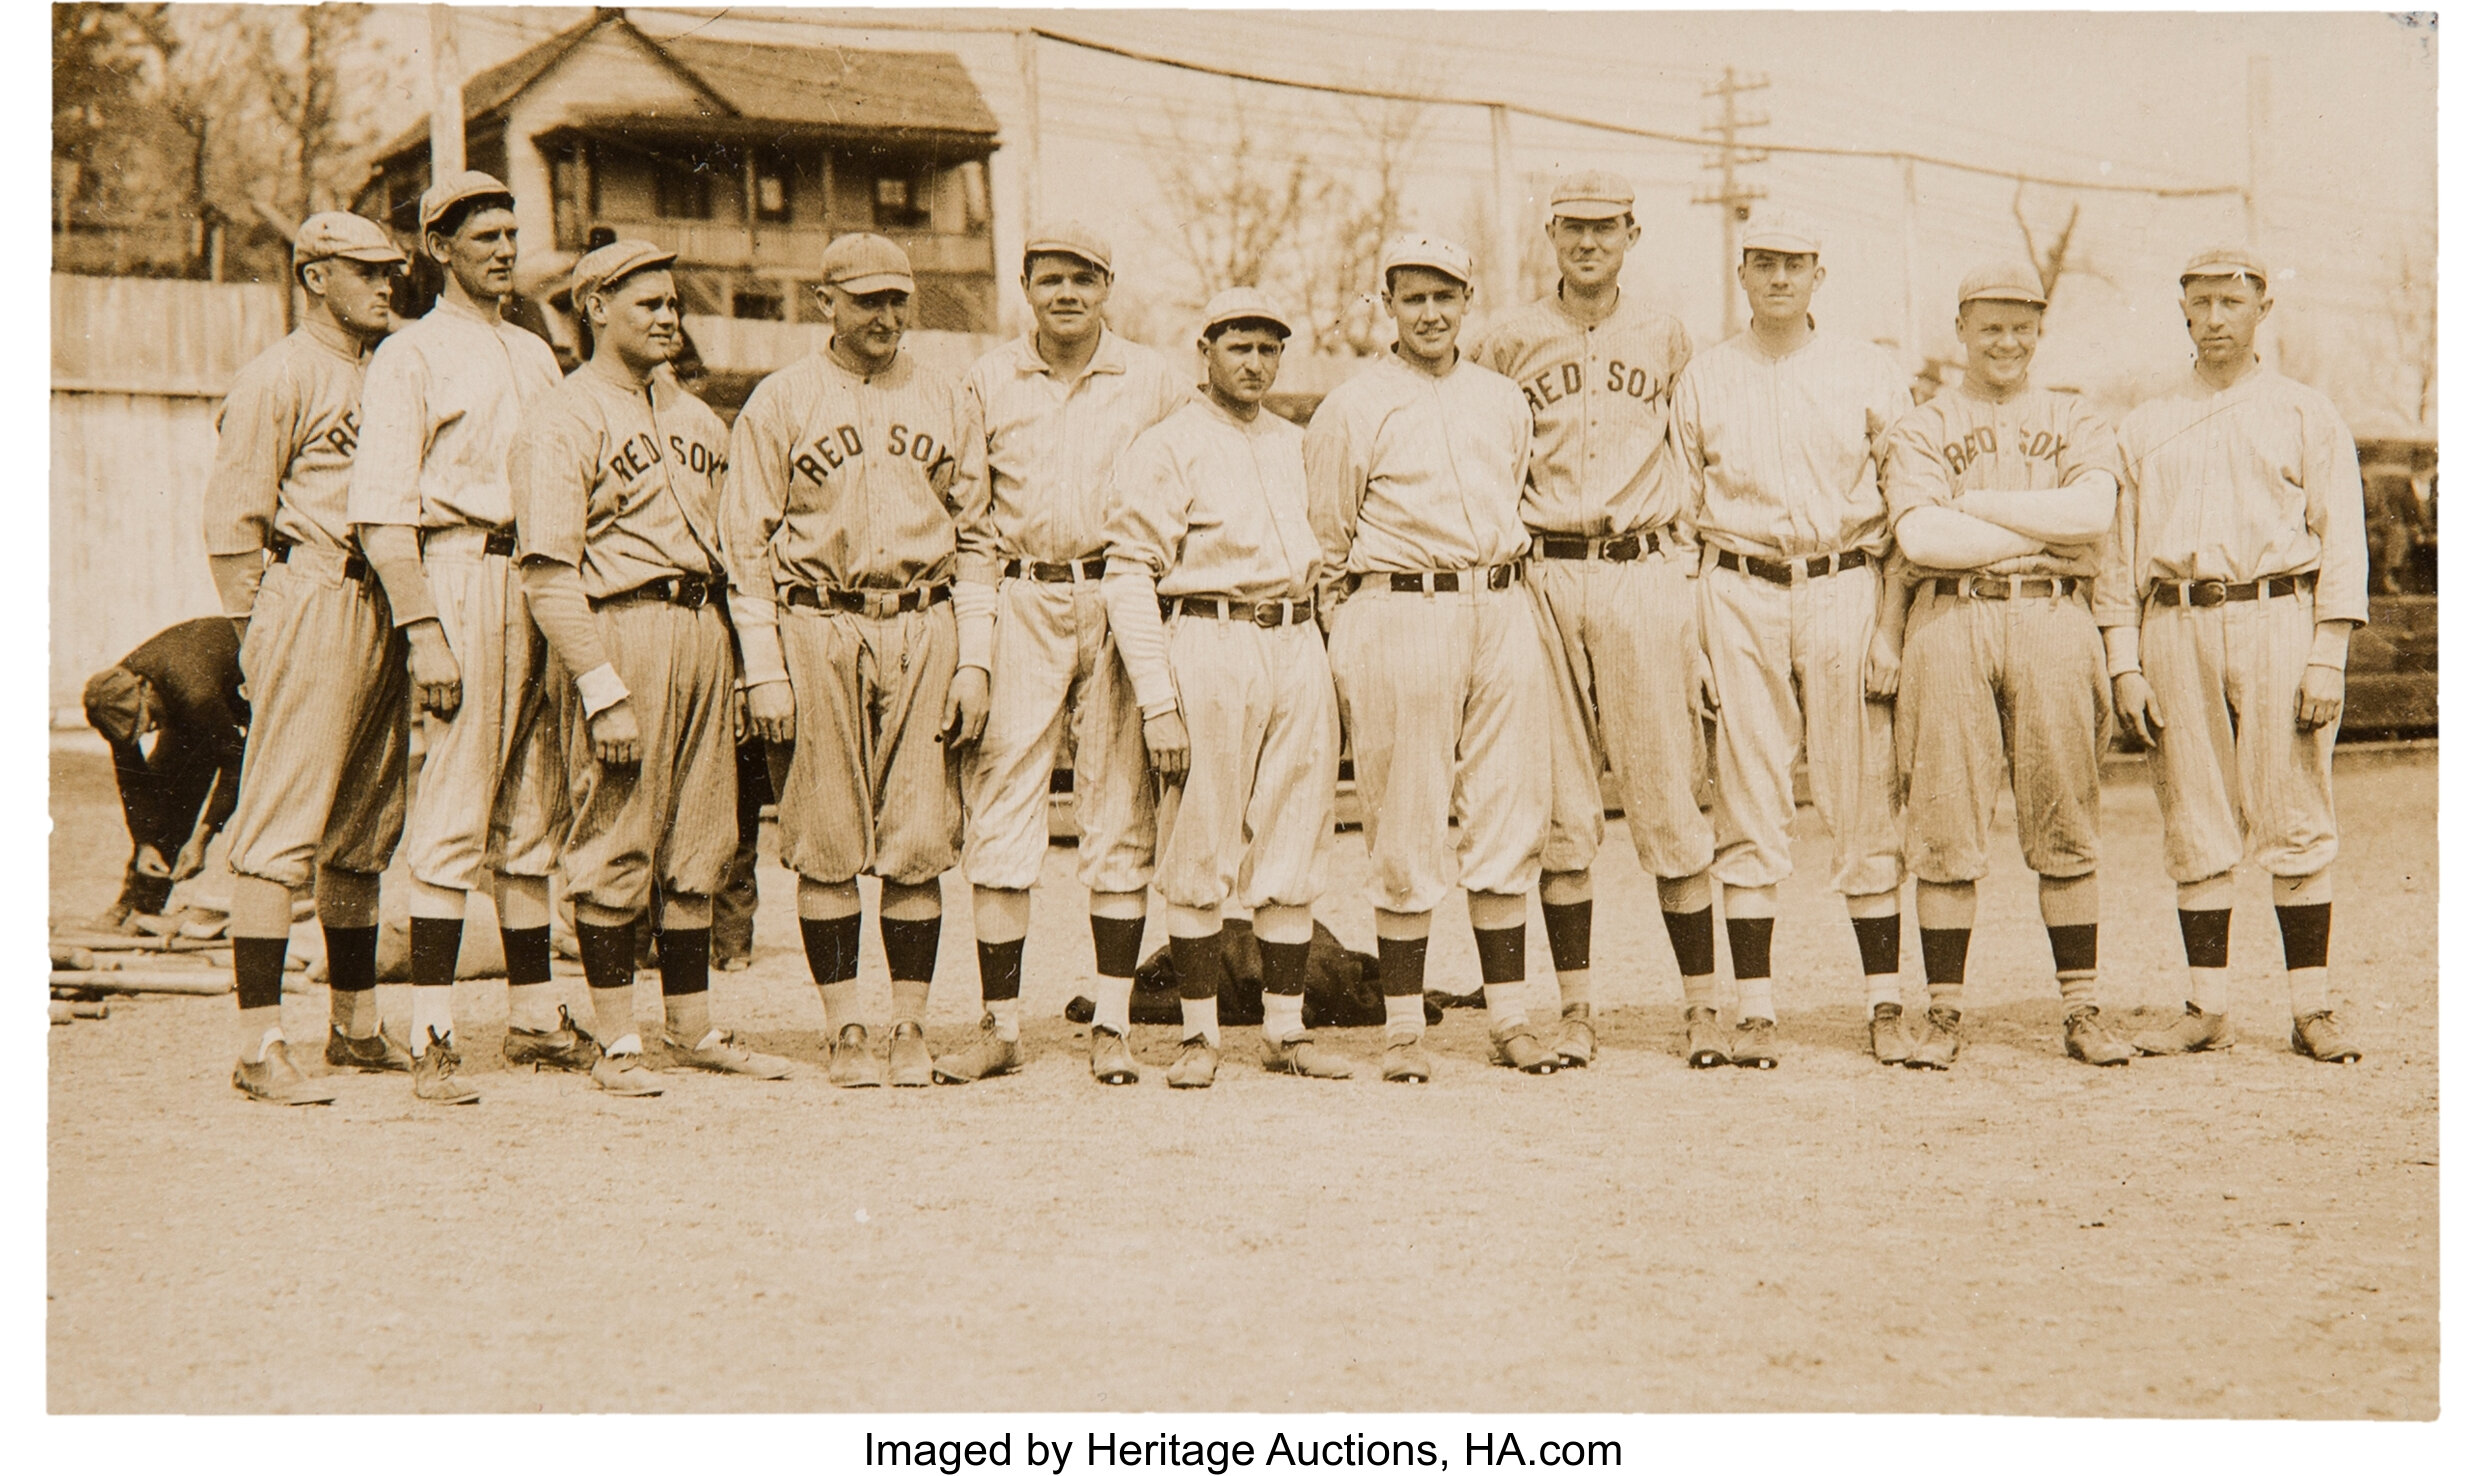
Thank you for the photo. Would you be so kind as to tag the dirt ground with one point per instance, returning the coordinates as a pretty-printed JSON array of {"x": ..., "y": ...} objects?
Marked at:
[{"x": 2252, "y": 1235}]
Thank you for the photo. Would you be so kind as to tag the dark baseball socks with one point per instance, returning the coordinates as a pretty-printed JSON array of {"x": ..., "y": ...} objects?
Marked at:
[
  {"x": 1285, "y": 938},
  {"x": 1751, "y": 919},
  {"x": 1403, "y": 938},
  {"x": 2304, "y": 907},
  {"x": 610, "y": 956},
  {"x": 1117, "y": 956},
  {"x": 262, "y": 924}
]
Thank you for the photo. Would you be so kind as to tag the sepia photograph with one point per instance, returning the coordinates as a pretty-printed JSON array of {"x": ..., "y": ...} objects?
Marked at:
[{"x": 941, "y": 713}]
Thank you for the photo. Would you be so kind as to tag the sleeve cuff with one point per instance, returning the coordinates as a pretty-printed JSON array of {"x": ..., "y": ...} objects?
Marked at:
[
  {"x": 2330, "y": 644},
  {"x": 2123, "y": 651},
  {"x": 974, "y": 605},
  {"x": 1157, "y": 709},
  {"x": 600, "y": 689},
  {"x": 755, "y": 635}
]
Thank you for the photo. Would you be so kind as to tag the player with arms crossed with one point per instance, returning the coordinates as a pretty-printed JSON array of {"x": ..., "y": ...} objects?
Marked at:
[
  {"x": 1417, "y": 466},
  {"x": 430, "y": 502},
  {"x": 841, "y": 537},
  {"x": 2233, "y": 580},
  {"x": 1615, "y": 598},
  {"x": 1779, "y": 427},
  {"x": 324, "y": 771},
  {"x": 2000, "y": 498},
  {"x": 1209, "y": 519},
  {"x": 614, "y": 479},
  {"x": 1046, "y": 416}
]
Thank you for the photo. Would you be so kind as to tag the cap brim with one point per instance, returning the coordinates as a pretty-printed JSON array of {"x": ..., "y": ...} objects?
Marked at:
[
  {"x": 1247, "y": 320},
  {"x": 1788, "y": 245},
  {"x": 2002, "y": 294},
  {"x": 1590, "y": 209},
  {"x": 877, "y": 282},
  {"x": 1438, "y": 268},
  {"x": 377, "y": 255},
  {"x": 1061, "y": 248}
]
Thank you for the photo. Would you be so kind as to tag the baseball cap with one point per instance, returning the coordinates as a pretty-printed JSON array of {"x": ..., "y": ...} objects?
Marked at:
[
  {"x": 611, "y": 263},
  {"x": 1782, "y": 233},
  {"x": 861, "y": 263},
  {"x": 2002, "y": 281},
  {"x": 112, "y": 697},
  {"x": 1592, "y": 195},
  {"x": 1070, "y": 238},
  {"x": 466, "y": 184},
  {"x": 339, "y": 233},
  {"x": 1244, "y": 305},
  {"x": 1430, "y": 252},
  {"x": 2225, "y": 261}
]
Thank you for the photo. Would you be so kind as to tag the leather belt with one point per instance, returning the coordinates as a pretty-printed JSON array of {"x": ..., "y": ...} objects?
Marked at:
[
  {"x": 878, "y": 603},
  {"x": 2209, "y": 594},
  {"x": 1819, "y": 566},
  {"x": 2008, "y": 586},
  {"x": 356, "y": 567},
  {"x": 1445, "y": 582},
  {"x": 498, "y": 542},
  {"x": 1071, "y": 573},
  {"x": 690, "y": 591},
  {"x": 1621, "y": 550},
  {"x": 1267, "y": 614}
]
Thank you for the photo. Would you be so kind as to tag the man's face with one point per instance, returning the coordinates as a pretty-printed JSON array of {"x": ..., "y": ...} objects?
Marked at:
[
  {"x": 2223, "y": 314},
  {"x": 1428, "y": 308},
  {"x": 639, "y": 317},
  {"x": 1067, "y": 294},
  {"x": 356, "y": 293},
  {"x": 1590, "y": 252},
  {"x": 483, "y": 255},
  {"x": 871, "y": 324},
  {"x": 1242, "y": 361},
  {"x": 2000, "y": 338},
  {"x": 1780, "y": 284}
]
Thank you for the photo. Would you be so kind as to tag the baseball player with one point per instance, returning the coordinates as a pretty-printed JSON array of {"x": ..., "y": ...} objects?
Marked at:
[
  {"x": 1778, "y": 428},
  {"x": 430, "y": 502},
  {"x": 183, "y": 685},
  {"x": 1209, "y": 520},
  {"x": 2234, "y": 576},
  {"x": 1417, "y": 466},
  {"x": 1613, "y": 586},
  {"x": 1044, "y": 419},
  {"x": 614, "y": 477},
  {"x": 2000, "y": 497},
  {"x": 841, "y": 538},
  {"x": 323, "y": 774}
]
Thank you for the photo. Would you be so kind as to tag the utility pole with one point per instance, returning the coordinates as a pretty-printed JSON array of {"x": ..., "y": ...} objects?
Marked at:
[
  {"x": 1733, "y": 199},
  {"x": 2256, "y": 143},
  {"x": 1908, "y": 342},
  {"x": 448, "y": 96},
  {"x": 1506, "y": 247},
  {"x": 1031, "y": 162}
]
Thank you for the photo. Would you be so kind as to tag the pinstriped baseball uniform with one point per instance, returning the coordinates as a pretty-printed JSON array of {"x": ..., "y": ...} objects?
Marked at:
[
  {"x": 1205, "y": 504},
  {"x": 1034, "y": 487},
  {"x": 1441, "y": 693},
  {"x": 2255, "y": 480},
  {"x": 324, "y": 769},
  {"x": 1781, "y": 456},
  {"x": 621, "y": 485},
  {"x": 1622, "y": 638},
  {"x": 841, "y": 481},
  {"x": 1991, "y": 689},
  {"x": 441, "y": 403}
]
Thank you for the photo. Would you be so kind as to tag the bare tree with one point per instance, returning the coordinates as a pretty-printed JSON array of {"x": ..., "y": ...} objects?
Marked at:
[
  {"x": 1240, "y": 202},
  {"x": 2412, "y": 320},
  {"x": 2053, "y": 259},
  {"x": 1370, "y": 208}
]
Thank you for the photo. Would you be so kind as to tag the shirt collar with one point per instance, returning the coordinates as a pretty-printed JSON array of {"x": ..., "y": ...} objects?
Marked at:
[
  {"x": 449, "y": 306},
  {"x": 2252, "y": 372},
  {"x": 1110, "y": 356}
]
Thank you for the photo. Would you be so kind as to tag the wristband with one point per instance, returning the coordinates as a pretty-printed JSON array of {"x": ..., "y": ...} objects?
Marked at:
[{"x": 600, "y": 689}]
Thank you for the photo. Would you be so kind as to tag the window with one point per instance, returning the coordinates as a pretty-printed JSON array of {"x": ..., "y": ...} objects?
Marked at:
[
  {"x": 773, "y": 193},
  {"x": 681, "y": 189},
  {"x": 895, "y": 205},
  {"x": 759, "y": 300}
]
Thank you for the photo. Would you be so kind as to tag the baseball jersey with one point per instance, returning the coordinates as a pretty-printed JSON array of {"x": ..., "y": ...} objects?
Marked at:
[
  {"x": 441, "y": 402},
  {"x": 285, "y": 447},
  {"x": 617, "y": 482},
  {"x": 1048, "y": 448},
  {"x": 839, "y": 479},
  {"x": 1410, "y": 472},
  {"x": 1966, "y": 440},
  {"x": 1602, "y": 398},
  {"x": 1781, "y": 449},
  {"x": 1206, "y": 504},
  {"x": 2242, "y": 483}
]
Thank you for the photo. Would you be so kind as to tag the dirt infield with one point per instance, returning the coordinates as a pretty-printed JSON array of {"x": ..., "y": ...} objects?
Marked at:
[{"x": 2247, "y": 1235}]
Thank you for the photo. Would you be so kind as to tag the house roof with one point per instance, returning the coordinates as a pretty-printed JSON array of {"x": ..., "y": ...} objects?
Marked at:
[{"x": 837, "y": 87}]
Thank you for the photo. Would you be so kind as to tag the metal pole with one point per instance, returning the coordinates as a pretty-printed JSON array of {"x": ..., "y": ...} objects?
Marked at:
[
  {"x": 448, "y": 96},
  {"x": 1505, "y": 286},
  {"x": 1031, "y": 162}
]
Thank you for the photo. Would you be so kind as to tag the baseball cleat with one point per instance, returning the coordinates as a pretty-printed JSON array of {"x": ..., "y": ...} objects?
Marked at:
[
  {"x": 1301, "y": 1055},
  {"x": 565, "y": 1047},
  {"x": 1195, "y": 1065},
  {"x": 1516, "y": 1046},
  {"x": 275, "y": 1078},
  {"x": 2087, "y": 1039},
  {"x": 2192, "y": 1031},
  {"x": 1891, "y": 1044},
  {"x": 1939, "y": 1046},
  {"x": 376, "y": 1052},
  {"x": 1575, "y": 1038},
  {"x": 2318, "y": 1035},
  {"x": 1755, "y": 1044},
  {"x": 986, "y": 1055},
  {"x": 624, "y": 1076},
  {"x": 732, "y": 963},
  {"x": 1109, "y": 1057},
  {"x": 717, "y": 1052},
  {"x": 850, "y": 1059},
  {"x": 1406, "y": 1059},
  {"x": 910, "y": 1062},
  {"x": 1705, "y": 1043},
  {"x": 436, "y": 1078}
]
